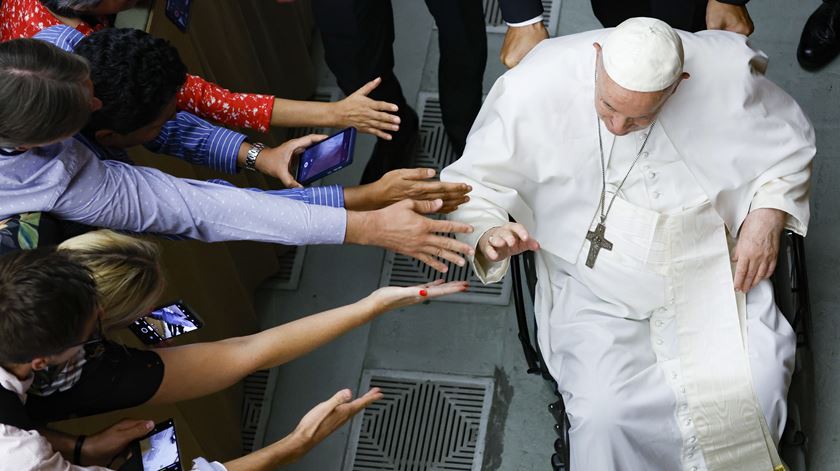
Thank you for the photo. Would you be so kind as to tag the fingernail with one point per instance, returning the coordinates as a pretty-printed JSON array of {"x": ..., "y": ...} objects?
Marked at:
[
  {"x": 424, "y": 293},
  {"x": 149, "y": 425},
  {"x": 347, "y": 395}
]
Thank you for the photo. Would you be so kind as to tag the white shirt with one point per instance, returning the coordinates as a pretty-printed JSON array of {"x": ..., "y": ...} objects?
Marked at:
[{"x": 28, "y": 450}]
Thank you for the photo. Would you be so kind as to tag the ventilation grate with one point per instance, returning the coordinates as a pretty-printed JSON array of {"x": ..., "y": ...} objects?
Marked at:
[
  {"x": 291, "y": 266},
  {"x": 402, "y": 270},
  {"x": 496, "y": 24},
  {"x": 256, "y": 405},
  {"x": 425, "y": 422}
]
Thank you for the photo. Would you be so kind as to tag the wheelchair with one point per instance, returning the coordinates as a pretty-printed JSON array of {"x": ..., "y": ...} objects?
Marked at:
[{"x": 790, "y": 284}]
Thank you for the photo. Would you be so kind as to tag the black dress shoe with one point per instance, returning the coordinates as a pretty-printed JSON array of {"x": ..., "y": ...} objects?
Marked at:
[
  {"x": 820, "y": 42},
  {"x": 399, "y": 152}
]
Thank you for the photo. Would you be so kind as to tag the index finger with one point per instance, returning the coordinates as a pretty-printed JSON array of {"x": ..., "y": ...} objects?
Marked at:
[
  {"x": 447, "y": 226},
  {"x": 741, "y": 272}
]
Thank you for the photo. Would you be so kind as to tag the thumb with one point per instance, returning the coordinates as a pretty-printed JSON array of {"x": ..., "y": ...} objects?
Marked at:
[
  {"x": 132, "y": 429},
  {"x": 369, "y": 87},
  {"x": 426, "y": 207},
  {"x": 308, "y": 140}
]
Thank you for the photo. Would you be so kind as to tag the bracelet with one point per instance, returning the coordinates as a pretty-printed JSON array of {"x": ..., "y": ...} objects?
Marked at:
[
  {"x": 253, "y": 153},
  {"x": 77, "y": 451}
]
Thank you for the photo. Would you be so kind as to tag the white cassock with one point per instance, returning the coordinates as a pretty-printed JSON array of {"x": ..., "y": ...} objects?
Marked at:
[{"x": 661, "y": 364}]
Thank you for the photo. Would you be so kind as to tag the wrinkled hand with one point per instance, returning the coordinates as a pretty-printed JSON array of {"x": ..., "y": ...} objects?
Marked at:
[
  {"x": 505, "y": 241},
  {"x": 367, "y": 115},
  {"x": 758, "y": 247},
  {"x": 393, "y": 297},
  {"x": 519, "y": 41},
  {"x": 277, "y": 161},
  {"x": 328, "y": 416},
  {"x": 402, "y": 228},
  {"x": 101, "y": 448},
  {"x": 734, "y": 18},
  {"x": 413, "y": 184}
]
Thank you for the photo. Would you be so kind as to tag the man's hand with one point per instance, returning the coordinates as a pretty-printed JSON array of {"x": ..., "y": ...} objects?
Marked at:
[
  {"x": 101, "y": 448},
  {"x": 328, "y": 416},
  {"x": 505, "y": 241},
  {"x": 734, "y": 18},
  {"x": 406, "y": 183},
  {"x": 365, "y": 114},
  {"x": 758, "y": 247},
  {"x": 402, "y": 228},
  {"x": 277, "y": 161},
  {"x": 519, "y": 41},
  {"x": 393, "y": 297}
]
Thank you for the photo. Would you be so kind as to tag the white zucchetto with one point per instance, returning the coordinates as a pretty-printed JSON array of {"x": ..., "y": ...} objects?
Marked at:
[{"x": 643, "y": 55}]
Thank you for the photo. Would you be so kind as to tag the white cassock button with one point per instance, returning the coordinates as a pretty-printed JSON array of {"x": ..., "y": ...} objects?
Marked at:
[
  {"x": 656, "y": 195},
  {"x": 674, "y": 375},
  {"x": 692, "y": 439},
  {"x": 682, "y": 389},
  {"x": 652, "y": 175},
  {"x": 687, "y": 422},
  {"x": 694, "y": 468},
  {"x": 659, "y": 323},
  {"x": 645, "y": 155},
  {"x": 659, "y": 341},
  {"x": 663, "y": 309},
  {"x": 691, "y": 455},
  {"x": 685, "y": 407}
]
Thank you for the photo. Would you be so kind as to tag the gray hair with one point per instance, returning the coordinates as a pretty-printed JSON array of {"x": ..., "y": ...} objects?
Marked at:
[
  {"x": 43, "y": 93},
  {"x": 71, "y": 5}
]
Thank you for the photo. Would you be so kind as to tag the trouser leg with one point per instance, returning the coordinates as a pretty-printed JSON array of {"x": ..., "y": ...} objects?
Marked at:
[
  {"x": 688, "y": 15},
  {"x": 463, "y": 57},
  {"x": 358, "y": 37}
]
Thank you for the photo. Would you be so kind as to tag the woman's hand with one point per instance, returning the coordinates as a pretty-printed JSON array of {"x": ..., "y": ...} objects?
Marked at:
[
  {"x": 393, "y": 297},
  {"x": 367, "y": 115}
]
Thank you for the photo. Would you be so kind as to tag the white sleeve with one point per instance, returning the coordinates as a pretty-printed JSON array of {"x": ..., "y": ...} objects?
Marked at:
[
  {"x": 781, "y": 194},
  {"x": 27, "y": 450},
  {"x": 533, "y": 20},
  {"x": 201, "y": 464}
]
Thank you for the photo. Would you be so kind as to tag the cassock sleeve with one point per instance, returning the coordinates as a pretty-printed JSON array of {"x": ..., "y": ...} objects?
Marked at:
[
  {"x": 488, "y": 165},
  {"x": 785, "y": 194}
]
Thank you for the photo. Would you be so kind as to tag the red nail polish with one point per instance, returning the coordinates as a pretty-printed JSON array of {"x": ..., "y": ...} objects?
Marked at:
[{"x": 424, "y": 293}]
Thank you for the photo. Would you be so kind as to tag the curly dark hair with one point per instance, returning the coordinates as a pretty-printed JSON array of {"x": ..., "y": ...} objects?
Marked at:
[
  {"x": 134, "y": 74},
  {"x": 46, "y": 300}
]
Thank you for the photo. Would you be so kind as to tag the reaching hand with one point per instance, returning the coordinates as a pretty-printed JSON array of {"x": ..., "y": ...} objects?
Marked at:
[
  {"x": 519, "y": 41},
  {"x": 758, "y": 247},
  {"x": 734, "y": 18},
  {"x": 505, "y": 241},
  {"x": 328, "y": 416},
  {"x": 407, "y": 183},
  {"x": 402, "y": 228},
  {"x": 368, "y": 115},
  {"x": 393, "y": 297},
  {"x": 276, "y": 161},
  {"x": 101, "y": 448}
]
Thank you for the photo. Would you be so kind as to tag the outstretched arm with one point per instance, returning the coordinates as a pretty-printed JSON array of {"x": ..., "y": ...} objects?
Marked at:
[{"x": 196, "y": 370}]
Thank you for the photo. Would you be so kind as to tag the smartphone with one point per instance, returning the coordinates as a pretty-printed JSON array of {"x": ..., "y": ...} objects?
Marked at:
[
  {"x": 178, "y": 12},
  {"x": 166, "y": 322},
  {"x": 328, "y": 156},
  {"x": 157, "y": 451}
]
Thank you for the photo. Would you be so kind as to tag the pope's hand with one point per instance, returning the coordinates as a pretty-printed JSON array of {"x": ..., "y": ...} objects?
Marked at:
[
  {"x": 758, "y": 247},
  {"x": 734, "y": 18},
  {"x": 502, "y": 242},
  {"x": 519, "y": 40}
]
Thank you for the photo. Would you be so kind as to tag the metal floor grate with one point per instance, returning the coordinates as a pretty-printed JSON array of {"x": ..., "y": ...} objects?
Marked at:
[
  {"x": 256, "y": 406},
  {"x": 402, "y": 270},
  {"x": 425, "y": 422},
  {"x": 496, "y": 24},
  {"x": 291, "y": 266}
]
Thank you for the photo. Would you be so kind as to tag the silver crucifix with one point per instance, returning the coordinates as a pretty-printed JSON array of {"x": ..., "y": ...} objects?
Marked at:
[{"x": 597, "y": 241}]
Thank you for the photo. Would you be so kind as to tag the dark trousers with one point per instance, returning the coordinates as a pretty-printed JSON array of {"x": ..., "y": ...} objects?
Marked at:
[
  {"x": 687, "y": 15},
  {"x": 358, "y": 37}
]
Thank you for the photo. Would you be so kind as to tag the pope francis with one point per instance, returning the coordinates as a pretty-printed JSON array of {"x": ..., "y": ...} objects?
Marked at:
[{"x": 652, "y": 171}]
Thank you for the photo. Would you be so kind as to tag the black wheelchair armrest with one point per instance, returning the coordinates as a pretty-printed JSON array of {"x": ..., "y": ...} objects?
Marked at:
[{"x": 790, "y": 285}]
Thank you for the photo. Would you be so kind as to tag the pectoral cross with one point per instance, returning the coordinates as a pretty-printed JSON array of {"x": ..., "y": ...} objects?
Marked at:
[{"x": 597, "y": 241}]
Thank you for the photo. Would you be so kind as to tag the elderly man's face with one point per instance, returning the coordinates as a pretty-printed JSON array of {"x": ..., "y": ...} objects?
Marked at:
[{"x": 624, "y": 111}]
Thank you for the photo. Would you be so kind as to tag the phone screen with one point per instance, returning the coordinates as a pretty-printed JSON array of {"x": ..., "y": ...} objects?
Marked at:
[
  {"x": 330, "y": 154},
  {"x": 166, "y": 322},
  {"x": 159, "y": 449}
]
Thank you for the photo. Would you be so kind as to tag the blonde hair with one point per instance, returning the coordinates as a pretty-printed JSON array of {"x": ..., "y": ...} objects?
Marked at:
[{"x": 127, "y": 270}]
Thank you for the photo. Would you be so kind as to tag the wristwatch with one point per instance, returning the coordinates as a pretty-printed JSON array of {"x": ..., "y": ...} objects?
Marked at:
[{"x": 253, "y": 153}]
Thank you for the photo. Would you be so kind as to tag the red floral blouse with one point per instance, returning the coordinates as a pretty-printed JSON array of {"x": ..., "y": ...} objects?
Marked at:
[{"x": 25, "y": 18}]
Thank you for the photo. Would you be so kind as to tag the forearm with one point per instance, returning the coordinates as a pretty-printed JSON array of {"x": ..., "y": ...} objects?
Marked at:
[
  {"x": 296, "y": 113},
  {"x": 361, "y": 198},
  {"x": 283, "y": 452},
  {"x": 204, "y": 368},
  {"x": 60, "y": 441}
]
